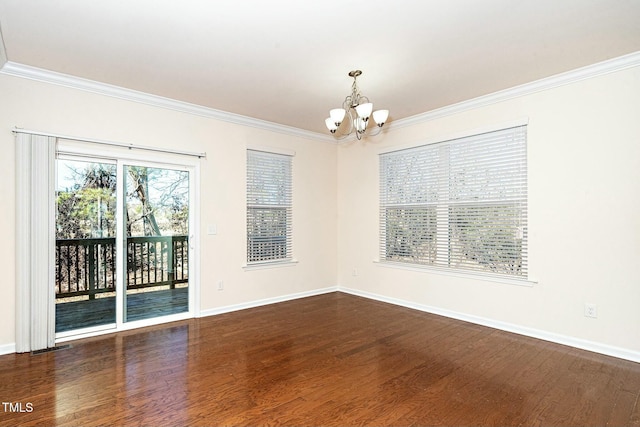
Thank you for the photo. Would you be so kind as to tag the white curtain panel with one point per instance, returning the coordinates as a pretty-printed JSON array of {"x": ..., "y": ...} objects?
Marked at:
[{"x": 35, "y": 242}]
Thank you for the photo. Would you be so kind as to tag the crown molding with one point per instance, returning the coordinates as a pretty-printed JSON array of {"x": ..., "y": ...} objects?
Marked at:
[
  {"x": 60, "y": 79},
  {"x": 569, "y": 77},
  {"x": 52, "y": 77}
]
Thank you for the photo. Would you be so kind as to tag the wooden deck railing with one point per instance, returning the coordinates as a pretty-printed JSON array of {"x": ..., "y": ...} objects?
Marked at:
[
  {"x": 157, "y": 261},
  {"x": 87, "y": 266}
]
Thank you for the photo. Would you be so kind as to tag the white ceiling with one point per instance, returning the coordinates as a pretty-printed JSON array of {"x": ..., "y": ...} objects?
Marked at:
[{"x": 287, "y": 61}]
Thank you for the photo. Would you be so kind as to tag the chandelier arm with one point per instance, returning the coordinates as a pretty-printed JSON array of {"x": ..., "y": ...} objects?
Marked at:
[
  {"x": 375, "y": 131},
  {"x": 369, "y": 132},
  {"x": 362, "y": 99},
  {"x": 346, "y": 128},
  {"x": 347, "y": 104},
  {"x": 351, "y": 126}
]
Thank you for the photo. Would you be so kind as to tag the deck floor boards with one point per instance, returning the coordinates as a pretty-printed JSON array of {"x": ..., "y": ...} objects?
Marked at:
[
  {"x": 100, "y": 311},
  {"x": 328, "y": 360}
]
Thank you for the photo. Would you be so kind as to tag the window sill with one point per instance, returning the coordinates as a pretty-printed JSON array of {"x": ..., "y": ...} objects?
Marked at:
[
  {"x": 269, "y": 264},
  {"x": 461, "y": 274}
]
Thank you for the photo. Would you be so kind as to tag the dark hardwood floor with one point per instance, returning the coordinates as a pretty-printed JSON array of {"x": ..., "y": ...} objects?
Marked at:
[{"x": 329, "y": 360}]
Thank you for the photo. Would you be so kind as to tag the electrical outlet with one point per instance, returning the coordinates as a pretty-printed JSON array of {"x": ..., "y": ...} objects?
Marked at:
[
  {"x": 591, "y": 310},
  {"x": 220, "y": 285}
]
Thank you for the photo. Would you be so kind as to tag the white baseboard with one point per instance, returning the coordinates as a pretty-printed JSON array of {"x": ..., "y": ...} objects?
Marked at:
[
  {"x": 7, "y": 348},
  {"x": 595, "y": 347},
  {"x": 11, "y": 348},
  {"x": 266, "y": 301}
]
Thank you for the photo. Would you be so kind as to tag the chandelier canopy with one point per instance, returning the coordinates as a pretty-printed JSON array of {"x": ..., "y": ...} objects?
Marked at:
[{"x": 358, "y": 108}]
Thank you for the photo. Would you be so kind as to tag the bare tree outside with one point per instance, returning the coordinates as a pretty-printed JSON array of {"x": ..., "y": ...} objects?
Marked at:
[
  {"x": 156, "y": 227},
  {"x": 85, "y": 200},
  {"x": 157, "y": 201}
]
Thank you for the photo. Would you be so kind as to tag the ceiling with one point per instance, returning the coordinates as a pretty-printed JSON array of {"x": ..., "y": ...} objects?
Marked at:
[{"x": 287, "y": 61}]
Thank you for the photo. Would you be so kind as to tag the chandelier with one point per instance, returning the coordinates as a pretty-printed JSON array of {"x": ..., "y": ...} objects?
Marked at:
[{"x": 358, "y": 109}]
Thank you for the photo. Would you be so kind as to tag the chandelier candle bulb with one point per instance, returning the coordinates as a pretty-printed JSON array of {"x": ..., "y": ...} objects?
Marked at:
[{"x": 359, "y": 109}]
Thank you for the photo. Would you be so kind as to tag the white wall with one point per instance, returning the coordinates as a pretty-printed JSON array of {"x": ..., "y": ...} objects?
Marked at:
[
  {"x": 50, "y": 108},
  {"x": 584, "y": 227},
  {"x": 584, "y": 218}
]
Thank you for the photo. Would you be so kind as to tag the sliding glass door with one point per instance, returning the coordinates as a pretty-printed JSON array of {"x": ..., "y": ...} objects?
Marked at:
[
  {"x": 123, "y": 250},
  {"x": 156, "y": 241},
  {"x": 85, "y": 286}
]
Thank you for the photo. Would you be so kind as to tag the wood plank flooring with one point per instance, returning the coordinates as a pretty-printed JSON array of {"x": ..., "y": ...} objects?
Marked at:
[{"x": 329, "y": 360}]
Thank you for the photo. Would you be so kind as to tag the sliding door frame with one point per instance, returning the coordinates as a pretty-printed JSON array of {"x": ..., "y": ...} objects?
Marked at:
[{"x": 73, "y": 149}]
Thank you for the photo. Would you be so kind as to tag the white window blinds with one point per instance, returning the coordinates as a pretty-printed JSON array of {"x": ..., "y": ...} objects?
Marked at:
[
  {"x": 269, "y": 216},
  {"x": 459, "y": 204}
]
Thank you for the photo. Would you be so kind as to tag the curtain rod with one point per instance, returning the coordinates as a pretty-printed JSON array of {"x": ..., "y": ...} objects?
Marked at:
[{"x": 116, "y": 144}]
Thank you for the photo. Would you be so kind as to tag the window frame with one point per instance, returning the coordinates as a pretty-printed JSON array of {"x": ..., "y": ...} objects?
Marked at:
[
  {"x": 437, "y": 241},
  {"x": 269, "y": 207}
]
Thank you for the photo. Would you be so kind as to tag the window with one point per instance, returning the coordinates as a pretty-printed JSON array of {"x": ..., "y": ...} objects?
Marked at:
[
  {"x": 459, "y": 205},
  {"x": 268, "y": 207}
]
